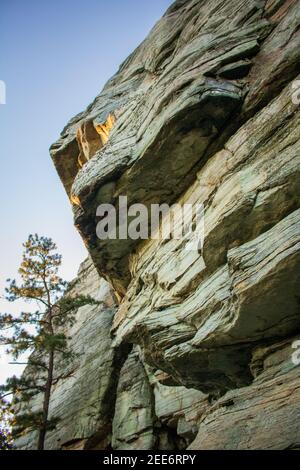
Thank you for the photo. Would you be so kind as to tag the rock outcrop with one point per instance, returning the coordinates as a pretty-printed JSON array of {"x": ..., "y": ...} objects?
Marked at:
[
  {"x": 109, "y": 396},
  {"x": 196, "y": 350}
]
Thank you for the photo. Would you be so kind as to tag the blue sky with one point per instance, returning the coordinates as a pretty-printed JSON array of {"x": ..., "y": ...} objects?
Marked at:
[{"x": 55, "y": 58}]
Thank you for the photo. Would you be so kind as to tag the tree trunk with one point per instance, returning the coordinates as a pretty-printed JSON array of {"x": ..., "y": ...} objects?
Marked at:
[{"x": 47, "y": 394}]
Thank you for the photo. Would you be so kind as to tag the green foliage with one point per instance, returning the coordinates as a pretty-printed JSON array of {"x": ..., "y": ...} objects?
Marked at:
[
  {"x": 40, "y": 333},
  {"x": 6, "y": 437}
]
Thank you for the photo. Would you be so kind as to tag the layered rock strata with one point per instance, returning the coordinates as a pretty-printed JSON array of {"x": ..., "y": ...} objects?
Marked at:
[{"x": 197, "y": 350}]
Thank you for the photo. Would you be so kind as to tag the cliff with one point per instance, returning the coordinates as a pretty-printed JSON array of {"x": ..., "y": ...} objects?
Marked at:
[{"x": 190, "y": 348}]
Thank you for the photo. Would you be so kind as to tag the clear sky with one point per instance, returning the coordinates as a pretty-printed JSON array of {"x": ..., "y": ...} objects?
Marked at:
[{"x": 55, "y": 57}]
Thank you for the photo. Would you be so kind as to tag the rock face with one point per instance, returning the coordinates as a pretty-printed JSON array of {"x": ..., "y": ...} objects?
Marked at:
[
  {"x": 81, "y": 400},
  {"x": 202, "y": 73},
  {"x": 264, "y": 415},
  {"x": 197, "y": 351},
  {"x": 110, "y": 397}
]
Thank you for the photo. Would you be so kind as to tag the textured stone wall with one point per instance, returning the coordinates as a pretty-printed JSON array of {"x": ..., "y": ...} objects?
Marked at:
[
  {"x": 111, "y": 398},
  {"x": 196, "y": 348}
]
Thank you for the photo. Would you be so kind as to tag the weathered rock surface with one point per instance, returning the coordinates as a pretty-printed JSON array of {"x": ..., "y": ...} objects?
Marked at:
[
  {"x": 174, "y": 108},
  {"x": 265, "y": 415},
  {"x": 81, "y": 401},
  {"x": 203, "y": 112},
  {"x": 149, "y": 415},
  {"x": 108, "y": 399}
]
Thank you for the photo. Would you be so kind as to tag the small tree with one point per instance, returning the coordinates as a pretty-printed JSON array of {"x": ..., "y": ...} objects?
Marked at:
[{"x": 40, "y": 334}]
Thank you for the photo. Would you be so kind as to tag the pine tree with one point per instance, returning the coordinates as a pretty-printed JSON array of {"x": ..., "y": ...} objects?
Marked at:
[{"x": 39, "y": 334}]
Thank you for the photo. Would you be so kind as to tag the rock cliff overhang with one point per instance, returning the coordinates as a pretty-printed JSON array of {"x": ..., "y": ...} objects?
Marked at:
[
  {"x": 202, "y": 108},
  {"x": 175, "y": 100}
]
